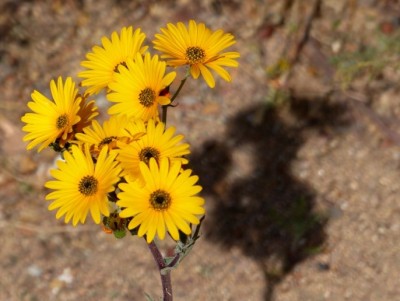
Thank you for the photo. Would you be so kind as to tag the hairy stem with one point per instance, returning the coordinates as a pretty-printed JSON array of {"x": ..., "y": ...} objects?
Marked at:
[{"x": 165, "y": 277}]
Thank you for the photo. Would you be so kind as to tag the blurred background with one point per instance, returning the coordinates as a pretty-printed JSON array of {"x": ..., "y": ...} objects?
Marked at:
[{"x": 299, "y": 156}]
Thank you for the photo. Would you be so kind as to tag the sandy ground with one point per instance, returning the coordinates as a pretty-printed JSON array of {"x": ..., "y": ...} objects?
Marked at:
[{"x": 302, "y": 194}]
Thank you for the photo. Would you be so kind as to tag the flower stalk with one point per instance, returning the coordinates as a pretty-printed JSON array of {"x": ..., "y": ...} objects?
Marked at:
[
  {"x": 165, "y": 108},
  {"x": 165, "y": 276}
]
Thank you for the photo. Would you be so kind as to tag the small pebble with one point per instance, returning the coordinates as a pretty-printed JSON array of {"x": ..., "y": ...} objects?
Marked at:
[{"x": 34, "y": 270}]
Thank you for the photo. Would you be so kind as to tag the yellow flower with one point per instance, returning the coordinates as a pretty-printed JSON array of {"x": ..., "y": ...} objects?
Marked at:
[
  {"x": 52, "y": 120},
  {"x": 136, "y": 89},
  {"x": 103, "y": 62},
  {"x": 167, "y": 201},
  {"x": 198, "y": 47},
  {"x": 157, "y": 143},
  {"x": 82, "y": 185},
  {"x": 112, "y": 130}
]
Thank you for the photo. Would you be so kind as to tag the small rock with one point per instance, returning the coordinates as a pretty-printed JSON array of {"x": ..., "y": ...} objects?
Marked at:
[
  {"x": 66, "y": 276},
  {"x": 34, "y": 270},
  {"x": 323, "y": 266}
]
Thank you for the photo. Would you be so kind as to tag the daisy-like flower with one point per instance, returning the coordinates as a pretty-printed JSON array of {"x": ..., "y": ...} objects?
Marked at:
[
  {"x": 197, "y": 47},
  {"x": 136, "y": 89},
  {"x": 167, "y": 201},
  {"x": 52, "y": 120},
  {"x": 112, "y": 130},
  {"x": 157, "y": 143},
  {"x": 82, "y": 185},
  {"x": 103, "y": 62}
]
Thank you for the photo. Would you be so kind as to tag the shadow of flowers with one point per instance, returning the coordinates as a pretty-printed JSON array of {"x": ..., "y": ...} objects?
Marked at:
[{"x": 259, "y": 205}]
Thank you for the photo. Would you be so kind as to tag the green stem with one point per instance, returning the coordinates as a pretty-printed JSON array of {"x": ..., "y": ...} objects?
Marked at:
[
  {"x": 165, "y": 277},
  {"x": 164, "y": 108},
  {"x": 164, "y": 114},
  {"x": 179, "y": 88}
]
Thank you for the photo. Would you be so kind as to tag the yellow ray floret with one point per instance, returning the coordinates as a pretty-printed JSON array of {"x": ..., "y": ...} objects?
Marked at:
[
  {"x": 166, "y": 202},
  {"x": 117, "y": 128},
  {"x": 136, "y": 89},
  {"x": 157, "y": 143},
  {"x": 199, "y": 48},
  {"x": 52, "y": 120},
  {"x": 82, "y": 186},
  {"x": 102, "y": 63}
]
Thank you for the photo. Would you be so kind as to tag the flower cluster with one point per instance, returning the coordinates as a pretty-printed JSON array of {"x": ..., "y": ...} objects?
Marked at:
[{"x": 129, "y": 171}]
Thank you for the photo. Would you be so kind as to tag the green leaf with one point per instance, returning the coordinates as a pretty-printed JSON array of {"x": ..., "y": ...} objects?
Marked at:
[{"x": 181, "y": 250}]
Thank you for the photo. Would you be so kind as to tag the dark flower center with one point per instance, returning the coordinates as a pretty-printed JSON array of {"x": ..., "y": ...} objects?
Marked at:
[
  {"x": 147, "y": 153},
  {"x": 160, "y": 200},
  {"x": 116, "y": 67},
  {"x": 147, "y": 97},
  {"x": 107, "y": 140},
  {"x": 195, "y": 55},
  {"x": 88, "y": 185},
  {"x": 62, "y": 121}
]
